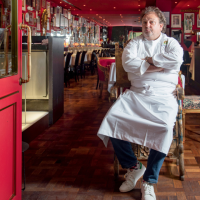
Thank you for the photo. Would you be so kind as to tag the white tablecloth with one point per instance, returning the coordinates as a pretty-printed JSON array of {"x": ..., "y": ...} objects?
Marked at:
[{"x": 112, "y": 77}]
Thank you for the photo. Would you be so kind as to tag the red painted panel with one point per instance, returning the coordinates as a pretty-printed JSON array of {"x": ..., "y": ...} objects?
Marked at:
[{"x": 7, "y": 156}]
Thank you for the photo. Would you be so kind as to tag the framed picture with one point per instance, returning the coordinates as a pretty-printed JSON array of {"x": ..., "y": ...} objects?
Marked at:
[
  {"x": 167, "y": 14},
  {"x": 38, "y": 24},
  {"x": 44, "y": 3},
  {"x": 198, "y": 36},
  {"x": 37, "y": 5},
  {"x": 198, "y": 21},
  {"x": 48, "y": 9},
  {"x": 28, "y": 3},
  {"x": 48, "y": 25},
  {"x": 31, "y": 18},
  {"x": 188, "y": 22},
  {"x": 33, "y": 31},
  {"x": 24, "y": 5},
  {"x": 175, "y": 33},
  {"x": 176, "y": 20},
  {"x": 51, "y": 10},
  {"x": 33, "y": 3}
]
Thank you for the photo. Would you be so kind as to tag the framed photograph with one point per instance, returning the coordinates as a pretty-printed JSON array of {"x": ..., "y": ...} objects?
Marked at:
[
  {"x": 167, "y": 16},
  {"x": 29, "y": 3},
  {"x": 37, "y": 5},
  {"x": 33, "y": 3},
  {"x": 175, "y": 33},
  {"x": 48, "y": 28},
  {"x": 48, "y": 9},
  {"x": 33, "y": 31},
  {"x": 24, "y": 5},
  {"x": 188, "y": 22},
  {"x": 31, "y": 18},
  {"x": 176, "y": 20},
  {"x": 198, "y": 36},
  {"x": 51, "y": 10},
  {"x": 65, "y": 12},
  {"x": 198, "y": 21},
  {"x": 44, "y": 3},
  {"x": 38, "y": 24}
]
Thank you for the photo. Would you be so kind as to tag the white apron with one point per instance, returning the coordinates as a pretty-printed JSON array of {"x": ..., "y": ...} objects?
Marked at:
[{"x": 146, "y": 113}]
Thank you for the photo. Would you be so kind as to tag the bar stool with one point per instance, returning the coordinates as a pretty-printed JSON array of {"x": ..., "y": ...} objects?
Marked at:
[{"x": 25, "y": 146}]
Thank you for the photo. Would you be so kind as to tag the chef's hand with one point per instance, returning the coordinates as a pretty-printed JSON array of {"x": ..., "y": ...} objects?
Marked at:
[{"x": 150, "y": 60}]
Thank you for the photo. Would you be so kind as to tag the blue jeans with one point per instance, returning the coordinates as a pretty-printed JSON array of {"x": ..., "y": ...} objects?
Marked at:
[{"x": 127, "y": 159}]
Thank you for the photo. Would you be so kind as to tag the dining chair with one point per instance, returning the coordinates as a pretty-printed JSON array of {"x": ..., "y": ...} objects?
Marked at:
[
  {"x": 82, "y": 66},
  {"x": 103, "y": 69},
  {"x": 75, "y": 67},
  {"x": 66, "y": 69}
]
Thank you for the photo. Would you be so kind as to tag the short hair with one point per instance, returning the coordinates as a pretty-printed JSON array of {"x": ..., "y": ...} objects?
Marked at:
[{"x": 158, "y": 12}]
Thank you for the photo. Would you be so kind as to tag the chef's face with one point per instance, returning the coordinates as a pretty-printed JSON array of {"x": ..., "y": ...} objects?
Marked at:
[{"x": 151, "y": 27}]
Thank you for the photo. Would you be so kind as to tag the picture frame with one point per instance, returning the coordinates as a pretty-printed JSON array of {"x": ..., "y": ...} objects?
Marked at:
[
  {"x": 51, "y": 9},
  {"x": 198, "y": 21},
  {"x": 29, "y": 3},
  {"x": 33, "y": 3},
  {"x": 48, "y": 27},
  {"x": 176, "y": 36},
  {"x": 198, "y": 36},
  {"x": 31, "y": 18},
  {"x": 176, "y": 20},
  {"x": 24, "y": 5},
  {"x": 167, "y": 16},
  {"x": 48, "y": 9},
  {"x": 37, "y": 5},
  {"x": 188, "y": 22},
  {"x": 44, "y": 3},
  {"x": 38, "y": 23}
]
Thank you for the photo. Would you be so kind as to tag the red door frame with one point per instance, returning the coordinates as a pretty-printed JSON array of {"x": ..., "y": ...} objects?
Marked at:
[{"x": 11, "y": 128}]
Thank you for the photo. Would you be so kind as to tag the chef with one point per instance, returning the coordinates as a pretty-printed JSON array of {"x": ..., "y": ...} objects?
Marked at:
[{"x": 145, "y": 114}]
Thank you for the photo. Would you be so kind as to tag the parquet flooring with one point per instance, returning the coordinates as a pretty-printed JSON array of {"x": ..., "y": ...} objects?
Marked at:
[{"x": 69, "y": 162}]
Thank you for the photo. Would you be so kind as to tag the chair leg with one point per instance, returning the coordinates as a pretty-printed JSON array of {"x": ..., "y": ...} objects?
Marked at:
[
  {"x": 183, "y": 126},
  {"x": 101, "y": 89},
  {"x": 97, "y": 82},
  {"x": 23, "y": 170},
  {"x": 116, "y": 166}
]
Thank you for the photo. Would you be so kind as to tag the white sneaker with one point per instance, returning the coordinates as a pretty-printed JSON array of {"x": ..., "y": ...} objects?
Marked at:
[
  {"x": 148, "y": 191},
  {"x": 132, "y": 177}
]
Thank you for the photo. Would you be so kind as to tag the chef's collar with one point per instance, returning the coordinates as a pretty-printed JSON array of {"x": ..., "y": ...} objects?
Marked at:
[{"x": 153, "y": 40}]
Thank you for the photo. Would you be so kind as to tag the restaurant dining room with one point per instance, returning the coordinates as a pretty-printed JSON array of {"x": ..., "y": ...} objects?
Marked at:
[{"x": 100, "y": 100}]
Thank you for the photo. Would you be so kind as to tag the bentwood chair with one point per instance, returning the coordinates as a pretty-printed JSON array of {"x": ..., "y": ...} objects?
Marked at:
[
  {"x": 66, "y": 69},
  {"x": 142, "y": 152}
]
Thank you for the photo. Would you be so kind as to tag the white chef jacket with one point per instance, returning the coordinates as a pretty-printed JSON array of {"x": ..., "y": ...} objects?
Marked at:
[{"x": 146, "y": 113}]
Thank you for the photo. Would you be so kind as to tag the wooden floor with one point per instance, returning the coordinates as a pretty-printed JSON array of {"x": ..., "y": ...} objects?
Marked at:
[{"x": 69, "y": 162}]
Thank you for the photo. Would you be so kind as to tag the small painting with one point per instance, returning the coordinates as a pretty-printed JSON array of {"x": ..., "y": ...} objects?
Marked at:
[
  {"x": 188, "y": 22},
  {"x": 24, "y": 5},
  {"x": 44, "y": 3},
  {"x": 176, "y": 20},
  {"x": 198, "y": 21}
]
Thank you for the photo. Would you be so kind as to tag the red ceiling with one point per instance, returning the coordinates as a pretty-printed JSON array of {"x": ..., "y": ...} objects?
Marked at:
[{"x": 119, "y": 12}]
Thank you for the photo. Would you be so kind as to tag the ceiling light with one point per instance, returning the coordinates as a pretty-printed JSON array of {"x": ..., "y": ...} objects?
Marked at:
[
  {"x": 188, "y": 5},
  {"x": 138, "y": 5},
  {"x": 96, "y": 14},
  {"x": 175, "y": 2},
  {"x": 83, "y": 5},
  {"x": 60, "y": 2},
  {"x": 114, "y": 7},
  {"x": 90, "y": 9},
  {"x": 138, "y": 9}
]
